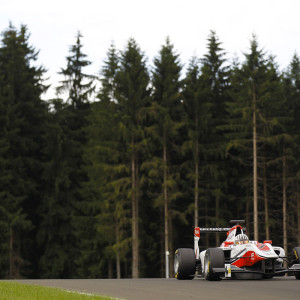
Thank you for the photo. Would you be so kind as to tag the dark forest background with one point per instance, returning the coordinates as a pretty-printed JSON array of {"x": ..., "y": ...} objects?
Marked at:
[{"x": 102, "y": 182}]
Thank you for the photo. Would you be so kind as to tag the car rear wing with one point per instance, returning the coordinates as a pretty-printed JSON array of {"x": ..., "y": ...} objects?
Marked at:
[
  {"x": 217, "y": 229},
  {"x": 214, "y": 229}
]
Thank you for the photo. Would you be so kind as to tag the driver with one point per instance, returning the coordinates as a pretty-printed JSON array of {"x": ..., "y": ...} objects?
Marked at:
[{"x": 241, "y": 239}]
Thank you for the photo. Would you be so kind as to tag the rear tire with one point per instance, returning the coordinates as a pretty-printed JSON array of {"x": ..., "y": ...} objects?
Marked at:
[
  {"x": 184, "y": 263},
  {"x": 296, "y": 252},
  {"x": 214, "y": 258}
]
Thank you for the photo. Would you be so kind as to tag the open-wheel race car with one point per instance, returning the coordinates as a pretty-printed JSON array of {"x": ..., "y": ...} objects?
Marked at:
[{"x": 236, "y": 258}]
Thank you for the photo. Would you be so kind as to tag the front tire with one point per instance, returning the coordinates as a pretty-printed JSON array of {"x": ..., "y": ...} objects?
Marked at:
[
  {"x": 184, "y": 263},
  {"x": 296, "y": 252},
  {"x": 214, "y": 258}
]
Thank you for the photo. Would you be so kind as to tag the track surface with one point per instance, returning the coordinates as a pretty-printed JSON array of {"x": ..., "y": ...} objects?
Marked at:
[{"x": 167, "y": 289}]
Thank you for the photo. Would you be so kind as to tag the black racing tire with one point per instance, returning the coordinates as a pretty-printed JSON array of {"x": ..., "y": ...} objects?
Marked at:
[
  {"x": 296, "y": 252},
  {"x": 184, "y": 263},
  {"x": 214, "y": 258}
]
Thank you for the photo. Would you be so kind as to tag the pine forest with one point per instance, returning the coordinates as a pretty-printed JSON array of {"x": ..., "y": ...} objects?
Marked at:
[{"x": 103, "y": 181}]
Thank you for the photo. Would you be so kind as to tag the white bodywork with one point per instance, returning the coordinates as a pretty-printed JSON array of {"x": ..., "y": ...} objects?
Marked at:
[
  {"x": 252, "y": 248},
  {"x": 246, "y": 254}
]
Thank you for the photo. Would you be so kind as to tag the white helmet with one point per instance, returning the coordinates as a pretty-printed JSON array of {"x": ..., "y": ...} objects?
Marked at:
[{"x": 241, "y": 239}]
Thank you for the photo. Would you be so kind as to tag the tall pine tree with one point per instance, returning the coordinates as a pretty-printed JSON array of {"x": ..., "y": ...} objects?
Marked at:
[
  {"x": 168, "y": 108},
  {"x": 132, "y": 95},
  {"x": 257, "y": 97},
  {"x": 65, "y": 211},
  {"x": 213, "y": 90},
  {"x": 21, "y": 136},
  {"x": 197, "y": 112}
]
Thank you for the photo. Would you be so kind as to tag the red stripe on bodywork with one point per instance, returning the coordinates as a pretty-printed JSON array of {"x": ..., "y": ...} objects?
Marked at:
[{"x": 248, "y": 259}]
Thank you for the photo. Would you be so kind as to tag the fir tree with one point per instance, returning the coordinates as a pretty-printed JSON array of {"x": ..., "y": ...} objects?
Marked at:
[
  {"x": 213, "y": 90},
  {"x": 132, "y": 94},
  {"x": 108, "y": 173},
  {"x": 197, "y": 115},
  {"x": 21, "y": 137},
  {"x": 65, "y": 205},
  {"x": 168, "y": 111},
  {"x": 78, "y": 85},
  {"x": 292, "y": 108},
  {"x": 257, "y": 95},
  {"x": 55, "y": 236}
]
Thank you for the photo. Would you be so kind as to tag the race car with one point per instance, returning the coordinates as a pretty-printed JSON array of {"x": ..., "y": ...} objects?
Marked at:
[{"x": 236, "y": 258}]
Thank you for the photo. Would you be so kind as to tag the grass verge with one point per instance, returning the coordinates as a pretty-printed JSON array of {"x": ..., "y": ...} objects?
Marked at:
[{"x": 18, "y": 291}]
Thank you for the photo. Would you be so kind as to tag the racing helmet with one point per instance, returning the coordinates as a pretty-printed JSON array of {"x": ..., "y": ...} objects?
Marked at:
[{"x": 241, "y": 239}]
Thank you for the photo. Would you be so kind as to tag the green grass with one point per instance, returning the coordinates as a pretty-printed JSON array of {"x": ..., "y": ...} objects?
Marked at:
[{"x": 19, "y": 291}]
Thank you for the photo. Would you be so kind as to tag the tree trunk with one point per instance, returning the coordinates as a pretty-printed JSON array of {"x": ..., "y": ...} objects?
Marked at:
[
  {"x": 171, "y": 248},
  {"x": 165, "y": 191},
  {"x": 110, "y": 269},
  {"x": 298, "y": 210},
  {"x": 162, "y": 242},
  {"x": 137, "y": 195},
  {"x": 267, "y": 225},
  {"x": 118, "y": 262},
  {"x": 196, "y": 203},
  {"x": 255, "y": 198},
  {"x": 284, "y": 205},
  {"x": 247, "y": 217},
  {"x": 135, "y": 245},
  {"x": 206, "y": 225},
  {"x": 11, "y": 254},
  {"x": 217, "y": 218}
]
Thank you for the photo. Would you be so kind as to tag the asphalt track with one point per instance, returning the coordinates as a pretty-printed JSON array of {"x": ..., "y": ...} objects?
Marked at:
[{"x": 167, "y": 289}]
